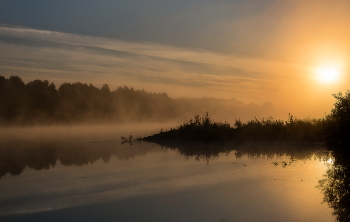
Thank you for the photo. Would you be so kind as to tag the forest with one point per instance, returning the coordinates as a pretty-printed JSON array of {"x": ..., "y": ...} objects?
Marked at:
[{"x": 39, "y": 102}]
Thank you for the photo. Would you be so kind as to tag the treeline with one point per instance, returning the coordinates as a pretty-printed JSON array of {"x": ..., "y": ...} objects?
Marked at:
[{"x": 41, "y": 102}]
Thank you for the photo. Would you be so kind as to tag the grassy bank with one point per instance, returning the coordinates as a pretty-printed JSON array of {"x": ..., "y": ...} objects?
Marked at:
[{"x": 269, "y": 129}]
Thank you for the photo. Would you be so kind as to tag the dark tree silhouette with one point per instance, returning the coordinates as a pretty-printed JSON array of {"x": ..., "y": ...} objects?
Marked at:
[
  {"x": 42, "y": 99},
  {"x": 336, "y": 130},
  {"x": 78, "y": 102},
  {"x": 13, "y": 98}
]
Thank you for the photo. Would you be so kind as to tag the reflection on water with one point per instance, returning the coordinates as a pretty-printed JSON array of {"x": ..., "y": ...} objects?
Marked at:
[
  {"x": 88, "y": 179},
  {"x": 15, "y": 156},
  {"x": 206, "y": 151},
  {"x": 336, "y": 186}
]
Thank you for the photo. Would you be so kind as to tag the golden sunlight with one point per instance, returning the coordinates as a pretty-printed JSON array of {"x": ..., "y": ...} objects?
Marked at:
[
  {"x": 330, "y": 161},
  {"x": 327, "y": 75}
]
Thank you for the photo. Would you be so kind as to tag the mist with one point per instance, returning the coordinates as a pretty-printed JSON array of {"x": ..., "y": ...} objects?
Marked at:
[
  {"x": 38, "y": 102},
  {"x": 195, "y": 110}
]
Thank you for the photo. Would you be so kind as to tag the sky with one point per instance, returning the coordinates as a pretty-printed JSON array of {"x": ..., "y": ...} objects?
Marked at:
[{"x": 255, "y": 51}]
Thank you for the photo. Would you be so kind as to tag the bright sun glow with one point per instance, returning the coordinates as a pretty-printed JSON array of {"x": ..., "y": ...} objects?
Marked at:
[
  {"x": 330, "y": 161},
  {"x": 327, "y": 75}
]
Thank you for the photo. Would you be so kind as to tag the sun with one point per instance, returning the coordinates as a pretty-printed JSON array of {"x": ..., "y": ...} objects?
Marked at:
[{"x": 327, "y": 75}]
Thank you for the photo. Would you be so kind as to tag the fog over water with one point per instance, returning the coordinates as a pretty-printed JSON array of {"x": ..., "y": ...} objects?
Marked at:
[
  {"x": 86, "y": 172},
  {"x": 187, "y": 110}
]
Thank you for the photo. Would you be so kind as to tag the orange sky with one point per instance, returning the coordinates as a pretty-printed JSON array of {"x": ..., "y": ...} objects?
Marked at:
[{"x": 268, "y": 53}]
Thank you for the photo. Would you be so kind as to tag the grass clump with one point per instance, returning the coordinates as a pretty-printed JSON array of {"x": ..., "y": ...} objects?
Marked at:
[
  {"x": 265, "y": 129},
  {"x": 197, "y": 129},
  {"x": 269, "y": 129}
]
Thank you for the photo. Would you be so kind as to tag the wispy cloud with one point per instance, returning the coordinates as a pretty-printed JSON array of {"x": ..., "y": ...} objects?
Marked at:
[{"x": 61, "y": 57}]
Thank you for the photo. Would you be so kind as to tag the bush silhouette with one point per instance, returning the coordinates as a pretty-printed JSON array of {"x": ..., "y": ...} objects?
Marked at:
[
  {"x": 336, "y": 131},
  {"x": 265, "y": 129}
]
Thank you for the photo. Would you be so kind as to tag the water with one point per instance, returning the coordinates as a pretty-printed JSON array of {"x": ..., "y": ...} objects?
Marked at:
[{"x": 75, "y": 175}]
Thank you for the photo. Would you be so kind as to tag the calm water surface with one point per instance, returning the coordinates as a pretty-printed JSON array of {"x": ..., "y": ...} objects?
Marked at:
[{"x": 77, "y": 175}]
